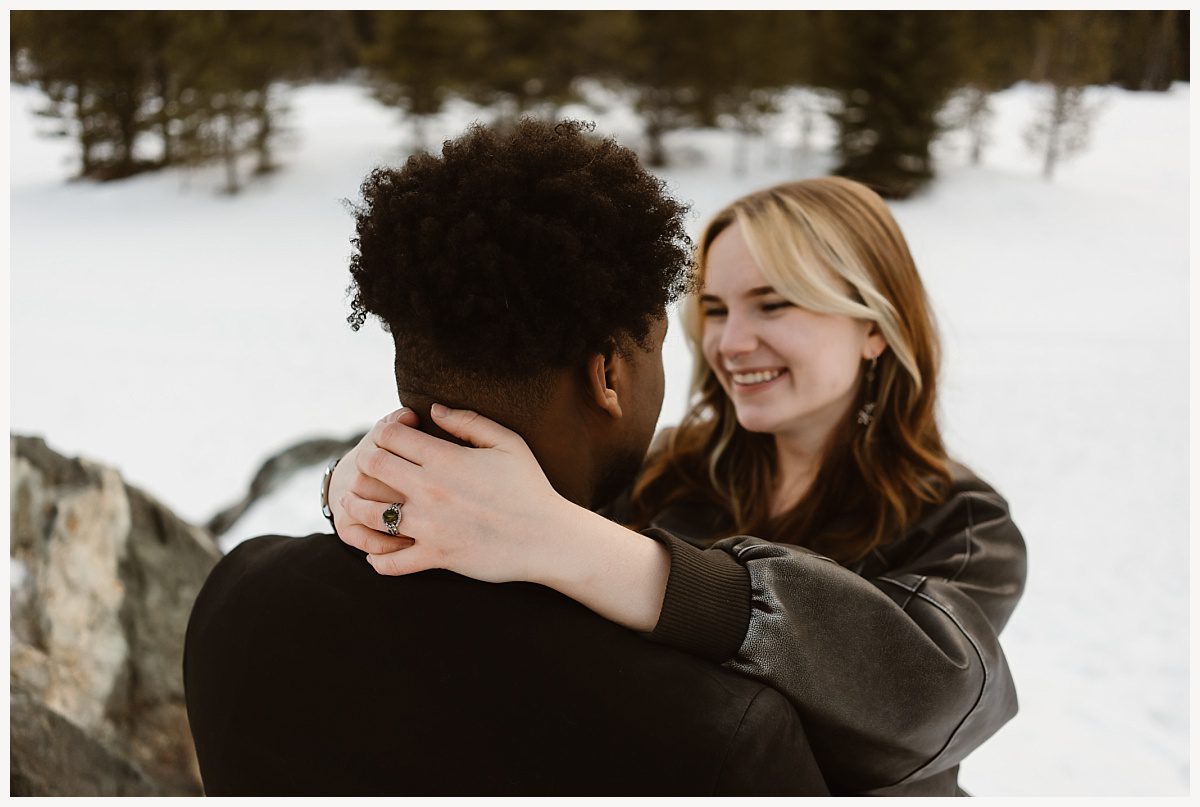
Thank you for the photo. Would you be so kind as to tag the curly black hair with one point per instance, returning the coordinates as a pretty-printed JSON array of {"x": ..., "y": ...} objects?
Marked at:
[{"x": 515, "y": 254}]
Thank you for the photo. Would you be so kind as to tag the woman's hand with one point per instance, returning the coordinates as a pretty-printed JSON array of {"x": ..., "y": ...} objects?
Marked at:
[
  {"x": 347, "y": 479},
  {"x": 490, "y": 513},
  {"x": 486, "y": 512}
]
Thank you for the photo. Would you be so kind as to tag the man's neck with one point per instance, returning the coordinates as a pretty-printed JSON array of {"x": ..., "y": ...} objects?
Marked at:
[
  {"x": 420, "y": 404},
  {"x": 552, "y": 442}
]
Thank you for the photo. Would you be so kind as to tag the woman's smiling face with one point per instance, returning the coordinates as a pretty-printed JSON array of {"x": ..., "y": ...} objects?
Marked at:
[{"x": 787, "y": 370}]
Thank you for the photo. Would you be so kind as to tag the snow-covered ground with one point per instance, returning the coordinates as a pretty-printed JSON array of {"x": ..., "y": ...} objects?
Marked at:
[{"x": 183, "y": 336}]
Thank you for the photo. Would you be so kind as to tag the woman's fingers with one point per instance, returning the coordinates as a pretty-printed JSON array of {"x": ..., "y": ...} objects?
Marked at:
[
  {"x": 370, "y": 488},
  {"x": 373, "y": 514},
  {"x": 380, "y": 464},
  {"x": 472, "y": 427},
  {"x": 371, "y": 541},
  {"x": 407, "y": 561},
  {"x": 404, "y": 441},
  {"x": 403, "y": 415}
]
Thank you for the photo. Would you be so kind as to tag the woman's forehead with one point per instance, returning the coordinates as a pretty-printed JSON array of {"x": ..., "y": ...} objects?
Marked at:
[{"x": 729, "y": 267}]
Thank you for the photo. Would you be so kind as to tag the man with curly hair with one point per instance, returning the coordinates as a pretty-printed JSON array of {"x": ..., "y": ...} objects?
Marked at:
[{"x": 526, "y": 274}]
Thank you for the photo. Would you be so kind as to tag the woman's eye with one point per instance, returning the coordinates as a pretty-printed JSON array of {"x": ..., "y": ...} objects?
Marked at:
[
  {"x": 714, "y": 312},
  {"x": 777, "y": 306}
]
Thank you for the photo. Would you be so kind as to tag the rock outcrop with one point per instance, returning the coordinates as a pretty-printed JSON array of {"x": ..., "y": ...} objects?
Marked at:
[
  {"x": 103, "y": 580},
  {"x": 278, "y": 469}
]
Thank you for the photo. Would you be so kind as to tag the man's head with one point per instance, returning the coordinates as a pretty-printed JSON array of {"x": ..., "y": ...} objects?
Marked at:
[{"x": 526, "y": 275}]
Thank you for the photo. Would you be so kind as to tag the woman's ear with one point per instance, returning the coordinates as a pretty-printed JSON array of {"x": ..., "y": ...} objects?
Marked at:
[
  {"x": 602, "y": 381},
  {"x": 875, "y": 343}
]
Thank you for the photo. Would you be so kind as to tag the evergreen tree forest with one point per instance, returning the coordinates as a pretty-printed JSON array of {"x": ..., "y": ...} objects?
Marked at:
[{"x": 143, "y": 90}]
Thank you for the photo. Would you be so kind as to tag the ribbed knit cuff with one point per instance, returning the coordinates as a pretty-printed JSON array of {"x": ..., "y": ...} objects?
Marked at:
[{"x": 706, "y": 609}]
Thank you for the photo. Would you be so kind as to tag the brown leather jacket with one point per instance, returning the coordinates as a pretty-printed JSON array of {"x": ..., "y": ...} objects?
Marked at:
[{"x": 894, "y": 665}]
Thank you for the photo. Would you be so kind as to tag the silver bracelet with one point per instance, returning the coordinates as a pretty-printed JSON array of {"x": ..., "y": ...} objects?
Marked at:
[{"x": 325, "y": 511}]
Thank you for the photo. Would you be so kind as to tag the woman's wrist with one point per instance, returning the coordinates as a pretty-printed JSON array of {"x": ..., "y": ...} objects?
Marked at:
[{"x": 618, "y": 573}]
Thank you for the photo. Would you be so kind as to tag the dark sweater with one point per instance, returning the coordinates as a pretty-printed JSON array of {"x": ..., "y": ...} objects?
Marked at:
[{"x": 308, "y": 673}]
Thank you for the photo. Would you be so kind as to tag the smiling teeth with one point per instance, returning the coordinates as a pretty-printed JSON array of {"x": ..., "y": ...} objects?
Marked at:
[{"x": 756, "y": 378}]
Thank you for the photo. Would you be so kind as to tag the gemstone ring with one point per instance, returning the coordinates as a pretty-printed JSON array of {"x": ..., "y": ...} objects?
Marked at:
[{"x": 391, "y": 518}]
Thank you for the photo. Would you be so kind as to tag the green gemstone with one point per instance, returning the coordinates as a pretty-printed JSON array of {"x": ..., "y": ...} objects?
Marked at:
[{"x": 391, "y": 517}]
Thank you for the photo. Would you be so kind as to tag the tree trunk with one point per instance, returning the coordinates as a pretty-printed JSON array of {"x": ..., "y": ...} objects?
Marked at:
[
  {"x": 86, "y": 139},
  {"x": 262, "y": 138},
  {"x": 977, "y": 112},
  {"x": 657, "y": 157},
  {"x": 164, "y": 113},
  {"x": 125, "y": 107},
  {"x": 655, "y": 109},
  {"x": 229, "y": 153},
  {"x": 1040, "y": 67},
  {"x": 1054, "y": 132},
  {"x": 1159, "y": 54}
]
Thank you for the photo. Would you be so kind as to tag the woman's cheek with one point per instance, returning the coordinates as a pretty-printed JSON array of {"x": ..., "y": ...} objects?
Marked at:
[{"x": 708, "y": 346}]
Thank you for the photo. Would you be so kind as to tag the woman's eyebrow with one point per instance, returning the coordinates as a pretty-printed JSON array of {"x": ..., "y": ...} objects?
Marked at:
[{"x": 759, "y": 291}]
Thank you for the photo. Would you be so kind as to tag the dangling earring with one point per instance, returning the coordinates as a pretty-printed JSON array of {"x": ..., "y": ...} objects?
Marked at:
[{"x": 867, "y": 413}]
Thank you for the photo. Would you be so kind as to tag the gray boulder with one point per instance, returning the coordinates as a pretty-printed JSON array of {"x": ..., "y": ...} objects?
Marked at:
[
  {"x": 278, "y": 469},
  {"x": 103, "y": 580},
  {"x": 52, "y": 756}
]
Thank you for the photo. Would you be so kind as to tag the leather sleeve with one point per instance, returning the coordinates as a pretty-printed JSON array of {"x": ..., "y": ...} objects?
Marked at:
[{"x": 897, "y": 675}]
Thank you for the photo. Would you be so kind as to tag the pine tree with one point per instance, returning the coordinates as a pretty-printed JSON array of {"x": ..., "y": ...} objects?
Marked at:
[
  {"x": 761, "y": 53},
  {"x": 892, "y": 71},
  {"x": 531, "y": 59},
  {"x": 1075, "y": 50},
  {"x": 667, "y": 68},
  {"x": 231, "y": 64},
  {"x": 93, "y": 79},
  {"x": 1147, "y": 53},
  {"x": 202, "y": 81},
  {"x": 996, "y": 50},
  {"x": 417, "y": 58}
]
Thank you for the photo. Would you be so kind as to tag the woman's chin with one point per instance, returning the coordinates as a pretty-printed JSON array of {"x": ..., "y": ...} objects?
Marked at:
[{"x": 757, "y": 423}]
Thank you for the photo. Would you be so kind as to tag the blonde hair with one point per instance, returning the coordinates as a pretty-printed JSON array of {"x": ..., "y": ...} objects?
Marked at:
[{"x": 829, "y": 245}]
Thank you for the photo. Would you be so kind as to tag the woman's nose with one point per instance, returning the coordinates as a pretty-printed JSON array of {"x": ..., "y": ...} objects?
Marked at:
[{"x": 737, "y": 336}]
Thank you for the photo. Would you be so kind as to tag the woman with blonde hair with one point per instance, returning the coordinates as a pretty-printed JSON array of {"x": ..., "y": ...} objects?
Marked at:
[{"x": 805, "y": 523}]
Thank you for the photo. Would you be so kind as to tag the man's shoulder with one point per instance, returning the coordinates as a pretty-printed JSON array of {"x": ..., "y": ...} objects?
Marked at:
[
  {"x": 267, "y": 549},
  {"x": 257, "y": 561},
  {"x": 278, "y": 569},
  {"x": 278, "y": 579}
]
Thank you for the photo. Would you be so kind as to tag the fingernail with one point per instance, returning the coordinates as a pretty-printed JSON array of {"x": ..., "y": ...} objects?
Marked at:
[{"x": 438, "y": 411}]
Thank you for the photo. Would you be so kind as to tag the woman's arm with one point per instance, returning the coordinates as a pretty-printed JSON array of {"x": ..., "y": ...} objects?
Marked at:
[
  {"x": 899, "y": 674},
  {"x": 490, "y": 513}
]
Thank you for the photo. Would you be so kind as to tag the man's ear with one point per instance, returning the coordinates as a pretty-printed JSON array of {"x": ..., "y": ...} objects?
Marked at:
[{"x": 603, "y": 380}]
